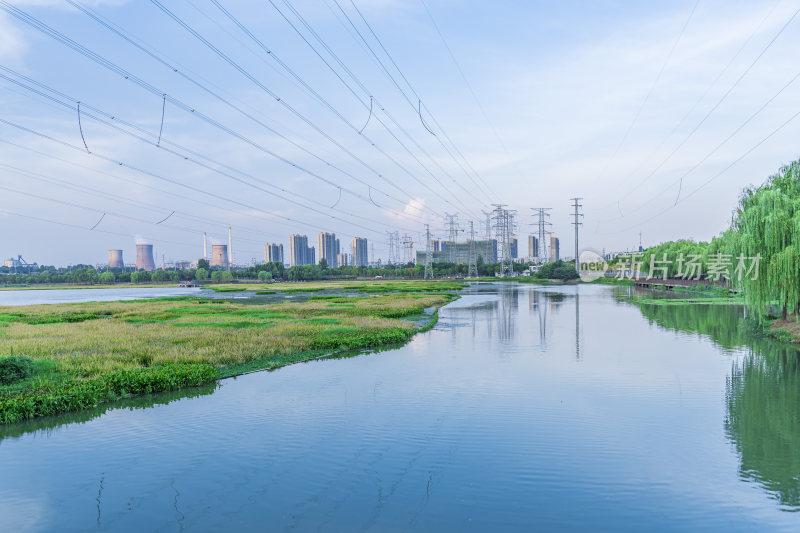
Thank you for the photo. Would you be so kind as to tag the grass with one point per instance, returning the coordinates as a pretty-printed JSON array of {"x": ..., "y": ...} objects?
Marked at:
[
  {"x": 685, "y": 301},
  {"x": 523, "y": 279},
  {"x": 225, "y": 288},
  {"x": 371, "y": 287},
  {"x": 91, "y": 353}
]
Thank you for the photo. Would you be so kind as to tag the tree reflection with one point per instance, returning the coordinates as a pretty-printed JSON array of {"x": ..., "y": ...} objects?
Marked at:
[{"x": 762, "y": 395}]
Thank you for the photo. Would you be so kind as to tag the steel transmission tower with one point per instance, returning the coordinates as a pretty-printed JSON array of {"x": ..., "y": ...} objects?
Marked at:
[
  {"x": 472, "y": 271},
  {"x": 488, "y": 231},
  {"x": 395, "y": 255},
  {"x": 408, "y": 248},
  {"x": 577, "y": 214},
  {"x": 428, "y": 253},
  {"x": 452, "y": 237},
  {"x": 504, "y": 226},
  {"x": 541, "y": 225}
]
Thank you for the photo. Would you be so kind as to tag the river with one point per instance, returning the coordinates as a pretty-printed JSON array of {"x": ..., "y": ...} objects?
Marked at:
[
  {"x": 525, "y": 408},
  {"x": 65, "y": 296}
]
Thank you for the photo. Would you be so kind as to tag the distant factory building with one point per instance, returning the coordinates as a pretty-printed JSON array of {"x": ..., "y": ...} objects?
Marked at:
[
  {"x": 299, "y": 251},
  {"x": 554, "y": 251},
  {"x": 533, "y": 246},
  {"x": 328, "y": 246},
  {"x": 219, "y": 256},
  {"x": 458, "y": 252},
  {"x": 514, "y": 246},
  {"x": 273, "y": 253},
  {"x": 115, "y": 259},
  {"x": 144, "y": 257},
  {"x": 359, "y": 251}
]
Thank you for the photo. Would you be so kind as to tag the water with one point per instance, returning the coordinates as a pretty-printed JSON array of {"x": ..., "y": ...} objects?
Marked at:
[
  {"x": 63, "y": 296},
  {"x": 525, "y": 408}
]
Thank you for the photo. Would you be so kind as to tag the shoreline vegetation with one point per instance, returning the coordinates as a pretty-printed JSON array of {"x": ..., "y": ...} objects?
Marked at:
[
  {"x": 58, "y": 358},
  {"x": 785, "y": 330}
]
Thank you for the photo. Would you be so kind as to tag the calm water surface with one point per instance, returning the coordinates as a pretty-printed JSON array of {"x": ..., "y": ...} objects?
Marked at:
[
  {"x": 63, "y": 296},
  {"x": 526, "y": 408}
]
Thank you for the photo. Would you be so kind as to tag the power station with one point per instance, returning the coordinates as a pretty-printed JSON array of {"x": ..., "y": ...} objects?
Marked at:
[
  {"x": 144, "y": 257},
  {"x": 219, "y": 256},
  {"x": 115, "y": 259}
]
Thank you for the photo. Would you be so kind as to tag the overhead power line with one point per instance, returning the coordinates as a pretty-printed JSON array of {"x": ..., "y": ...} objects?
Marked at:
[
  {"x": 714, "y": 107},
  {"x": 417, "y": 97},
  {"x": 59, "y": 37},
  {"x": 367, "y": 93},
  {"x": 307, "y": 87},
  {"x": 59, "y": 100}
]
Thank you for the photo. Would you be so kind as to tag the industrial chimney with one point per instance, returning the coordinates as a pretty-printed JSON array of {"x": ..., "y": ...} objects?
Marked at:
[
  {"x": 230, "y": 249},
  {"x": 144, "y": 257},
  {"x": 219, "y": 255},
  {"x": 115, "y": 259}
]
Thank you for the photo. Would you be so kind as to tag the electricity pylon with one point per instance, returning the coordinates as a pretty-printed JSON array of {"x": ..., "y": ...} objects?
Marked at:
[
  {"x": 541, "y": 224},
  {"x": 472, "y": 271},
  {"x": 577, "y": 214},
  {"x": 428, "y": 253}
]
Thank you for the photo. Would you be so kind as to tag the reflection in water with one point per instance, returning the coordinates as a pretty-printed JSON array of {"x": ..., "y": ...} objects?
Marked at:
[
  {"x": 577, "y": 325},
  {"x": 478, "y": 431},
  {"x": 506, "y": 311},
  {"x": 762, "y": 395},
  {"x": 52, "y": 423}
]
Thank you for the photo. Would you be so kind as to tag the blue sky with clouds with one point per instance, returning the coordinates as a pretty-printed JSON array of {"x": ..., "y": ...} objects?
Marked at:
[{"x": 606, "y": 100}]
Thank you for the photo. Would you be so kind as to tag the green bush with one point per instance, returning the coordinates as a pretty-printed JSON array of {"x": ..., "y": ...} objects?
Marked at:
[
  {"x": 15, "y": 368},
  {"x": 52, "y": 398}
]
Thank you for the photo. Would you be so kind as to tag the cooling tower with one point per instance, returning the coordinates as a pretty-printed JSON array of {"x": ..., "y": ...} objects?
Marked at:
[
  {"x": 115, "y": 259},
  {"x": 144, "y": 257},
  {"x": 219, "y": 255}
]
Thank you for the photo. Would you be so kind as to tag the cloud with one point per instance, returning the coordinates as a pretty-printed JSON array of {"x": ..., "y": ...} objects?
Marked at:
[
  {"x": 11, "y": 42},
  {"x": 414, "y": 207}
]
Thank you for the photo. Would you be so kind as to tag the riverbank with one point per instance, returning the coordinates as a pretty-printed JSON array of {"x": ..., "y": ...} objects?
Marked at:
[{"x": 78, "y": 356}]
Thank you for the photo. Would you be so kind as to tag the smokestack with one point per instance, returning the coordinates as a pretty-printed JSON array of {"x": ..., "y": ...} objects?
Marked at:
[
  {"x": 115, "y": 259},
  {"x": 205, "y": 249},
  {"x": 219, "y": 256},
  {"x": 144, "y": 257},
  {"x": 230, "y": 249}
]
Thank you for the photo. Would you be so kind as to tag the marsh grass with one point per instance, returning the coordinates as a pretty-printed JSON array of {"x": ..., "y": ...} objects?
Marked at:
[
  {"x": 371, "y": 287},
  {"x": 84, "y": 353}
]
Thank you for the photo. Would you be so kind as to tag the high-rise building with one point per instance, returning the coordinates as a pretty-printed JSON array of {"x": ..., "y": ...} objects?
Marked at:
[
  {"x": 359, "y": 251},
  {"x": 273, "y": 253},
  {"x": 299, "y": 251},
  {"x": 343, "y": 259},
  {"x": 533, "y": 246},
  {"x": 514, "y": 247},
  {"x": 554, "y": 256},
  {"x": 328, "y": 247}
]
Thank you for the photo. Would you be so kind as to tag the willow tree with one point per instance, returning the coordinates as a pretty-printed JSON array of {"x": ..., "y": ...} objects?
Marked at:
[{"x": 767, "y": 226}]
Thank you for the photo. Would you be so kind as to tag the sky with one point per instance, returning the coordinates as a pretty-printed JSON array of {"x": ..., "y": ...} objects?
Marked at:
[{"x": 368, "y": 116}]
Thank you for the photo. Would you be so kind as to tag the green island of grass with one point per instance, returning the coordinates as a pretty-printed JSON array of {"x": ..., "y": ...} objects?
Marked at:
[{"x": 67, "y": 357}]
